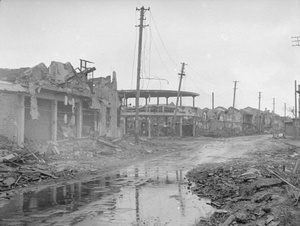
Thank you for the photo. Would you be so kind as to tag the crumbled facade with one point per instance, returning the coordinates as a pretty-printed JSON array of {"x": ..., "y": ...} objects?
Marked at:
[
  {"x": 57, "y": 103},
  {"x": 222, "y": 121}
]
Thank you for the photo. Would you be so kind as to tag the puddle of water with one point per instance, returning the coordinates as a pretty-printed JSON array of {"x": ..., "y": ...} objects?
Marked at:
[{"x": 153, "y": 193}]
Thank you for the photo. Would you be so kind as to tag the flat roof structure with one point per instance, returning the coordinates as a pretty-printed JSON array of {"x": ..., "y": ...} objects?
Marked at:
[{"x": 155, "y": 93}]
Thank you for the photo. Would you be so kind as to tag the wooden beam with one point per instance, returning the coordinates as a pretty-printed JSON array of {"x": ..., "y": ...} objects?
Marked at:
[
  {"x": 21, "y": 120},
  {"x": 79, "y": 119},
  {"x": 50, "y": 95},
  {"x": 54, "y": 120}
]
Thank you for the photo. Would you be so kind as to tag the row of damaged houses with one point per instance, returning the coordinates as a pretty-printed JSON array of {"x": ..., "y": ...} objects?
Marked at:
[
  {"x": 222, "y": 121},
  {"x": 60, "y": 102}
]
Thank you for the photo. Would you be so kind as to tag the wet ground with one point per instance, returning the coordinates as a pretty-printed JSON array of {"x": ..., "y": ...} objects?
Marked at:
[{"x": 150, "y": 193}]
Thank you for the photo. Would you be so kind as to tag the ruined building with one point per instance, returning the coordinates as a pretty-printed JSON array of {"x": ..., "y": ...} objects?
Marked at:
[
  {"x": 57, "y": 102},
  {"x": 157, "y": 119}
]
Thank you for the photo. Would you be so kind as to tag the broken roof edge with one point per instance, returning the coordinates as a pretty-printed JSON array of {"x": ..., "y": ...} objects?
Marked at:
[
  {"x": 66, "y": 91},
  {"x": 18, "y": 88},
  {"x": 12, "y": 87}
]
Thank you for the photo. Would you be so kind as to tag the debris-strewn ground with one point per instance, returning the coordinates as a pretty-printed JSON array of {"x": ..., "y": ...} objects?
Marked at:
[
  {"x": 261, "y": 189},
  {"x": 45, "y": 163}
]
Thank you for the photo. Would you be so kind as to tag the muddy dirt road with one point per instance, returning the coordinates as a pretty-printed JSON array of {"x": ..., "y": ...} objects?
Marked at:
[{"x": 153, "y": 192}]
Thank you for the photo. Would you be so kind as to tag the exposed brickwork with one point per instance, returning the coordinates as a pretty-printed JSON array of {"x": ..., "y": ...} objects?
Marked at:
[{"x": 8, "y": 115}]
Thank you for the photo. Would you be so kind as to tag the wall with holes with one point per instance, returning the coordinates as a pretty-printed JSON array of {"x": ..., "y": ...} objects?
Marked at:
[{"x": 9, "y": 115}]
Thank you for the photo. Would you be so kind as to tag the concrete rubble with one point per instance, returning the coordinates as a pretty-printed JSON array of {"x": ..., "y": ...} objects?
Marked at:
[
  {"x": 39, "y": 163},
  {"x": 262, "y": 190}
]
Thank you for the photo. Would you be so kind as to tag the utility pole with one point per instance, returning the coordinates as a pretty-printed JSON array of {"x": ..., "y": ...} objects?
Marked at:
[
  {"x": 180, "y": 81},
  {"x": 284, "y": 109},
  {"x": 296, "y": 113},
  {"x": 259, "y": 97},
  {"x": 234, "y": 93},
  {"x": 296, "y": 40},
  {"x": 137, "y": 98},
  {"x": 298, "y": 100},
  {"x": 213, "y": 101},
  {"x": 273, "y": 105}
]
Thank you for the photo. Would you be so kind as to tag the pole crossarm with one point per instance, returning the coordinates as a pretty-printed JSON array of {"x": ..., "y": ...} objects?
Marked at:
[{"x": 296, "y": 39}]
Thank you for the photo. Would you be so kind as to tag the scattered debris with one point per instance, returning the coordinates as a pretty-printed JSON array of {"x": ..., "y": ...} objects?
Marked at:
[{"x": 259, "y": 191}]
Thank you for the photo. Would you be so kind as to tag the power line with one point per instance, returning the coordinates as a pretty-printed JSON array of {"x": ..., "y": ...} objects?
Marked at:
[
  {"x": 151, "y": 17},
  {"x": 135, "y": 44},
  {"x": 199, "y": 75},
  {"x": 160, "y": 57}
]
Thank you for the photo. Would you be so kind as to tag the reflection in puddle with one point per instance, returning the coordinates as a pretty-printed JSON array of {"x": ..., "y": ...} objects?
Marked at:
[{"x": 153, "y": 193}]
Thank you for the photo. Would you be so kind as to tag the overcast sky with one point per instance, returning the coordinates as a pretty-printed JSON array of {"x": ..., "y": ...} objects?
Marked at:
[{"x": 220, "y": 41}]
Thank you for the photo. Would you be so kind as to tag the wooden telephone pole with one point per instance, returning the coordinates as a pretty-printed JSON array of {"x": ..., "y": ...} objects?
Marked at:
[
  {"x": 234, "y": 93},
  {"x": 180, "y": 81},
  {"x": 259, "y": 98},
  {"x": 213, "y": 101},
  {"x": 137, "y": 98}
]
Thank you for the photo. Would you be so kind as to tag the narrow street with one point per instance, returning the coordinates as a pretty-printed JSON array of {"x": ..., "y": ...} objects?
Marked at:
[{"x": 150, "y": 193}]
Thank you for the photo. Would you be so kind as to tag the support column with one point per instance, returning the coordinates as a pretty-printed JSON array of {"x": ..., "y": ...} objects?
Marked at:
[
  {"x": 146, "y": 100},
  {"x": 103, "y": 129},
  {"x": 125, "y": 125},
  {"x": 157, "y": 100},
  {"x": 194, "y": 126},
  {"x": 149, "y": 127},
  {"x": 21, "y": 120},
  {"x": 95, "y": 121},
  {"x": 79, "y": 119},
  {"x": 180, "y": 127},
  {"x": 181, "y": 101},
  {"x": 54, "y": 120},
  {"x": 167, "y": 100},
  {"x": 157, "y": 120},
  {"x": 193, "y": 101},
  {"x": 166, "y": 127}
]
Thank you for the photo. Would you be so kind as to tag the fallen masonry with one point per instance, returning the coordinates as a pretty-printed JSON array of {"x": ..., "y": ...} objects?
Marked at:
[
  {"x": 52, "y": 162},
  {"x": 263, "y": 191}
]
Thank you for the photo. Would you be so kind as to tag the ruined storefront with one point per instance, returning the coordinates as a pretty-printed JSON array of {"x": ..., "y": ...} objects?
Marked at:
[{"x": 58, "y": 103}]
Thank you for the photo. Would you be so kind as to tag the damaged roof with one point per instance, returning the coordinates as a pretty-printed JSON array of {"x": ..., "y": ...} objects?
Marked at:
[
  {"x": 11, "y": 87},
  {"x": 60, "y": 77}
]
